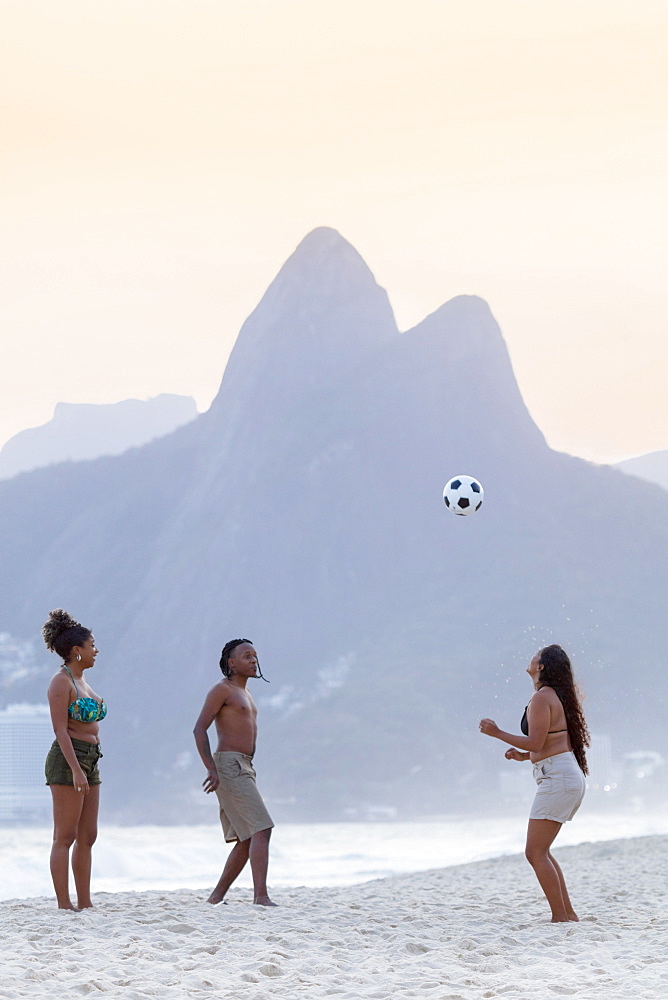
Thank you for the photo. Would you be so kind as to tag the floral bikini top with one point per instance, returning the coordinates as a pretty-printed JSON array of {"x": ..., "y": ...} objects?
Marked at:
[{"x": 85, "y": 709}]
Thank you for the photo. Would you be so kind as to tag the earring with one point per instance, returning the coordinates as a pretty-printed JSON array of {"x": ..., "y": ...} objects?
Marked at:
[{"x": 78, "y": 656}]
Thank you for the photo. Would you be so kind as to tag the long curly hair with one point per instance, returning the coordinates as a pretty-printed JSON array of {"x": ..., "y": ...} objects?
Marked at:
[
  {"x": 557, "y": 673},
  {"x": 62, "y": 632}
]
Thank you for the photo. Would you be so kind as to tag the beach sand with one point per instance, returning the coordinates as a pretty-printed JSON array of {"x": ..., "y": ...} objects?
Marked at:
[{"x": 463, "y": 933}]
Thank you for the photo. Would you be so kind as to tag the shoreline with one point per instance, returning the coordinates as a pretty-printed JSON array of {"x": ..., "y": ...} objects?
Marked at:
[
  {"x": 239, "y": 888},
  {"x": 459, "y": 933},
  {"x": 312, "y": 855}
]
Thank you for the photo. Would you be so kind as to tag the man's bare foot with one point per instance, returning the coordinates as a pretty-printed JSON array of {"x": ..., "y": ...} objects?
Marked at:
[
  {"x": 560, "y": 920},
  {"x": 85, "y": 906},
  {"x": 68, "y": 906},
  {"x": 263, "y": 901},
  {"x": 573, "y": 916},
  {"x": 216, "y": 897}
]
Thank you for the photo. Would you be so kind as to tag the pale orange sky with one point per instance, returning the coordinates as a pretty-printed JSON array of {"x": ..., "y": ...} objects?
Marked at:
[{"x": 162, "y": 158}]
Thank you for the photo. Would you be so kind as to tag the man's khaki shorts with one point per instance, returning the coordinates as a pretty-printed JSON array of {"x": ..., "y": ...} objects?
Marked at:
[{"x": 242, "y": 811}]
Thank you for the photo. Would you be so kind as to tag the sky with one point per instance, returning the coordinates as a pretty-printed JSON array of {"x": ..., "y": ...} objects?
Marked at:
[{"x": 160, "y": 160}]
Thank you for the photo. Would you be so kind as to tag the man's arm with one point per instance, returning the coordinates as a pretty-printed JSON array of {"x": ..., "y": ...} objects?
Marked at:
[{"x": 215, "y": 700}]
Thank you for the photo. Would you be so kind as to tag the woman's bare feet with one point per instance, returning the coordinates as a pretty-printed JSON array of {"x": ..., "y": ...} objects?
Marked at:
[{"x": 263, "y": 901}]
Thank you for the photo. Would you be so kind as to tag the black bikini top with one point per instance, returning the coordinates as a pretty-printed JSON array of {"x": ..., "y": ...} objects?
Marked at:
[{"x": 524, "y": 726}]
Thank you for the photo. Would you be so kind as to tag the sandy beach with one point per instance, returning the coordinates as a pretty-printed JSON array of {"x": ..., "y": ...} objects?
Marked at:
[{"x": 472, "y": 931}]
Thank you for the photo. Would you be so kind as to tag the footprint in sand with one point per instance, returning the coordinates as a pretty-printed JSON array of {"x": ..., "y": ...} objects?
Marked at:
[{"x": 271, "y": 970}]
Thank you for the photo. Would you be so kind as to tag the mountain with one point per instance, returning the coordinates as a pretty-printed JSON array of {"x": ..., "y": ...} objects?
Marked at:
[
  {"x": 304, "y": 511},
  {"x": 652, "y": 467},
  {"x": 88, "y": 430}
]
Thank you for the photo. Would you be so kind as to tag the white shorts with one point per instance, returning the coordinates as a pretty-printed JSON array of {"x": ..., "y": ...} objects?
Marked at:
[{"x": 561, "y": 788}]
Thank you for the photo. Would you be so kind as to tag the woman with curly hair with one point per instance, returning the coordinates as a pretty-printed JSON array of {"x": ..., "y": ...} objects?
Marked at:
[
  {"x": 71, "y": 765},
  {"x": 554, "y": 739}
]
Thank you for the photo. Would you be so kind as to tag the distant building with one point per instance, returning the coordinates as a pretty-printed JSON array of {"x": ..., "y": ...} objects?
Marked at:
[
  {"x": 26, "y": 734},
  {"x": 516, "y": 782},
  {"x": 603, "y": 773},
  {"x": 645, "y": 773}
]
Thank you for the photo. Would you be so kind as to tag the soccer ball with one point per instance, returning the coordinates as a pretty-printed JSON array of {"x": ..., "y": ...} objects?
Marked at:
[{"x": 463, "y": 495}]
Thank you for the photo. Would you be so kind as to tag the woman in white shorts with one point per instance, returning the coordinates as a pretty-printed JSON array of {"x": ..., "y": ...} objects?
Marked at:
[{"x": 554, "y": 739}]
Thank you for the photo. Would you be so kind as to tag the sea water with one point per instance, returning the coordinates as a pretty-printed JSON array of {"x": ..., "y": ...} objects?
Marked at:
[{"x": 140, "y": 858}]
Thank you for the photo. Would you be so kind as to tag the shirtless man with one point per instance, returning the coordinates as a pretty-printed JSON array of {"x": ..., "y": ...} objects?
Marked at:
[{"x": 230, "y": 773}]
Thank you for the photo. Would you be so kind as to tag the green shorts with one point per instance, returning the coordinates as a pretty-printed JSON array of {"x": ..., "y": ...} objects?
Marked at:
[{"x": 58, "y": 772}]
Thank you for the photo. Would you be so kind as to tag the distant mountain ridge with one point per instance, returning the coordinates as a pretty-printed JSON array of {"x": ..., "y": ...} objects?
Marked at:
[
  {"x": 80, "y": 431},
  {"x": 652, "y": 467},
  {"x": 304, "y": 511}
]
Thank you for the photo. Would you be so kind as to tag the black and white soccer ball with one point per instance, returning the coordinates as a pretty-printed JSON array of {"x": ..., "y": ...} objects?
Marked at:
[{"x": 463, "y": 495}]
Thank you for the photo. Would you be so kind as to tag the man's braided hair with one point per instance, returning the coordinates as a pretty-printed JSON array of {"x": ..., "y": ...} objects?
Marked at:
[{"x": 225, "y": 657}]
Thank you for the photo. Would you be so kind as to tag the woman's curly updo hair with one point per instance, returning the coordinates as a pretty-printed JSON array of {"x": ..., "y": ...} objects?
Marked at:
[
  {"x": 228, "y": 648},
  {"x": 62, "y": 632},
  {"x": 557, "y": 673}
]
